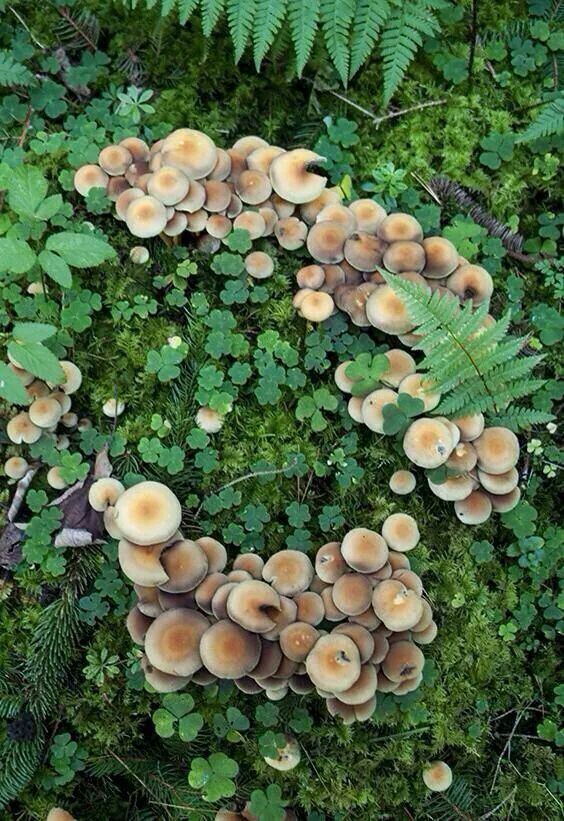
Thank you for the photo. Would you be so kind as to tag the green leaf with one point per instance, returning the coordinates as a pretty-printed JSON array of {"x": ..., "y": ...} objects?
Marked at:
[
  {"x": 369, "y": 17},
  {"x": 80, "y": 250},
  {"x": 56, "y": 268},
  {"x": 32, "y": 331},
  {"x": 38, "y": 360},
  {"x": 11, "y": 389},
  {"x": 27, "y": 189},
  {"x": 16, "y": 256},
  {"x": 268, "y": 20},
  {"x": 303, "y": 16},
  {"x": 240, "y": 15},
  {"x": 336, "y": 18}
]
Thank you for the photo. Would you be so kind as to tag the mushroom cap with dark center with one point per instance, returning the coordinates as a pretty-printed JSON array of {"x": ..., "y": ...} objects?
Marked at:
[
  {"x": 252, "y": 222},
  {"x": 290, "y": 233},
  {"x": 398, "y": 607},
  {"x": 218, "y": 195},
  {"x": 316, "y": 306},
  {"x": 259, "y": 265},
  {"x": 428, "y": 443},
  {"x": 191, "y": 151},
  {"x": 399, "y": 227},
  {"x": 310, "y": 210},
  {"x": 441, "y": 257},
  {"x": 251, "y": 562},
  {"x": 404, "y": 256},
  {"x": 292, "y": 178},
  {"x": 364, "y": 550},
  {"x": 289, "y": 572},
  {"x": 404, "y": 660},
  {"x": 387, "y": 312},
  {"x": 400, "y": 532},
  {"x": 297, "y": 639},
  {"x": 334, "y": 663},
  {"x": 148, "y": 513},
  {"x": 138, "y": 148},
  {"x": 310, "y": 276},
  {"x": 194, "y": 199},
  {"x": 368, "y": 214},
  {"x": 329, "y": 562},
  {"x": 229, "y": 651},
  {"x": 253, "y": 186},
  {"x": 471, "y": 282},
  {"x": 252, "y": 604},
  {"x": 364, "y": 251},
  {"x": 172, "y": 641},
  {"x": 437, "y": 776},
  {"x": 169, "y": 185}
]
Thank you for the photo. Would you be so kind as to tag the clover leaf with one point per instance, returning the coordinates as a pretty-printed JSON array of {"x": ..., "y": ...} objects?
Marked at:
[
  {"x": 366, "y": 370},
  {"x": 214, "y": 776},
  {"x": 268, "y": 806},
  {"x": 176, "y": 716},
  {"x": 396, "y": 415}
]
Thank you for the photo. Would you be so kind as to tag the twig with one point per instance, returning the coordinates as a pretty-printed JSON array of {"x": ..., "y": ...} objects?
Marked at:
[
  {"x": 379, "y": 118},
  {"x": 27, "y": 28},
  {"x": 21, "y": 490},
  {"x": 507, "y": 746},
  {"x": 135, "y": 776},
  {"x": 25, "y": 126},
  {"x": 252, "y": 475},
  {"x": 501, "y": 803}
]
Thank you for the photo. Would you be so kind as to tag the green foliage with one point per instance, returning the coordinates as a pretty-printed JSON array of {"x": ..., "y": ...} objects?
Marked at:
[
  {"x": 176, "y": 716},
  {"x": 549, "y": 121},
  {"x": 214, "y": 776}
]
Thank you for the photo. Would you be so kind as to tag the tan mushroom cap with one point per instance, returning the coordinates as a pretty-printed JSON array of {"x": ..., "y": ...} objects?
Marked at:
[
  {"x": 437, "y": 776},
  {"x": 110, "y": 524},
  {"x": 137, "y": 624},
  {"x": 410, "y": 579},
  {"x": 218, "y": 226},
  {"x": 253, "y": 186},
  {"x": 24, "y": 376},
  {"x": 138, "y": 148},
  {"x": 441, "y": 257},
  {"x": 269, "y": 661},
  {"x": 427, "y": 443},
  {"x": 419, "y": 387},
  {"x": 369, "y": 214},
  {"x": 219, "y": 600},
  {"x": 206, "y": 590},
  {"x": 139, "y": 255},
  {"x": 58, "y": 814},
  {"x": 218, "y": 195},
  {"x": 400, "y": 532},
  {"x": 239, "y": 576},
  {"x": 334, "y": 663},
  {"x": 145, "y": 216},
  {"x": 402, "y": 482},
  {"x": 398, "y": 561},
  {"x": 317, "y": 306},
  {"x": 249, "y": 143},
  {"x": 404, "y": 256},
  {"x": 141, "y": 564},
  {"x": 290, "y": 233},
  {"x": 21, "y": 429},
  {"x": 260, "y": 159},
  {"x": 363, "y": 688},
  {"x": 116, "y": 186},
  {"x": 386, "y": 311},
  {"x": 191, "y": 151},
  {"x": 176, "y": 225},
  {"x": 45, "y": 412},
  {"x": 170, "y": 186},
  {"x": 115, "y": 160},
  {"x": 194, "y": 199},
  {"x": 427, "y": 635},
  {"x": 373, "y": 408},
  {"x": 364, "y": 550},
  {"x": 148, "y": 513},
  {"x": 259, "y": 265},
  {"x": 367, "y": 619},
  {"x": 500, "y": 483},
  {"x": 222, "y": 167},
  {"x": 124, "y": 200},
  {"x": 104, "y": 492},
  {"x": 148, "y": 601},
  {"x": 361, "y": 637},
  {"x": 364, "y": 251},
  {"x": 282, "y": 207},
  {"x": 337, "y": 708},
  {"x": 400, "y": 227},
  {"x": 504, "y": 502},
  {"x": 310, "y": 607},
  {"x": 186, "y": 565},
  {"x": 63, "y": 399},
  {"x": 301, "y": 684},
  {"x": 229, "y": 651},
  {"x": 334, "y": 276},
  {"x": 15, "y": 467},
  {"x": 354, "y": 408},
  {"x": 310, "y": 276},
  {"x": 396, "y": 605},
  {"x": 291, "y": 178},
  {"x": 336, "y": 212},
  {"x": 215, "y": 552},
  {"x": 403, "y": 661},
  {"x": 329, "y": 562},
  {"x": 197, "y": 221},
  {"x": 253, "y": 604},
  {"x": 72, "y": 382},
  {"x": 173, "y": 639},
  {"x": 55, "y": 478},
  {"x": 352, "y": 593},
  {"x": 289, "y": 572},
  {"x": 342, "y": 381},
  {"x": 88, "y": 177},
  {"x": 463, "y": 458},
  {"x": 310, "y": 210},
  {"x": 162, "y": 682},
  {"x": 471, "y": 282},
  {"x": 37, "y": 389},
  {"x": 287, "y": 756},
  {"x": 297, "y": 639},
  {"x": 251, "y": 562},
  {"x": 326, "y": 242},
  {"x": 332, "y": 612},
  {"x": 252, "y": 222},
  {"x": 454, "y": 488},
  {"x": 497, "y": 449},
  {"x": 475, "y": 509},
  {"x": 401, "y": 365}
]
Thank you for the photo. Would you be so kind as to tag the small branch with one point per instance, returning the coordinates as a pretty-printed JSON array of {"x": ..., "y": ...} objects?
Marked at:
[
  {"x": 21, "y": 490},
  {"x": 27, "y": 28},
  {"x": 403, "y": 111},
  {"x": 244, "y": 478},
  {"x": 25, "y": 126},
  {"x": 507, "y": 746}
]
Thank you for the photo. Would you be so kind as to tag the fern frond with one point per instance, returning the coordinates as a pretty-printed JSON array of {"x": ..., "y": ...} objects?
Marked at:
[
  {"x": 79, "y": 29},
  {"x": 18, "y": 763},
  {"x": 304, "y": 17},
  {"x": 401, "y": 37},
  {"x": 268, "y": 20},
  {"x": 240, "y": 14},
  {"x": 13, "y": 73},
  {"x": 369, "y": 17},
  {"x": 336, "y": 19},
  {"x": 185, "y": 10},
  {"x": 522, "y": 418},
  {"x": 211, "y": 12},
  {"x": 549, "y": 122},
  {"x": 454, "y": 804}
]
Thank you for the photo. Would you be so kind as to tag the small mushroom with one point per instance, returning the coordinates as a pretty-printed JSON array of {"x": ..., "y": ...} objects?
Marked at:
[
  {"x": 474, "y": 509},
  {"x": 215, "y": 552},
  {"x": 386, "y": 311},
  {"x": 194, "y": 200},
  {"x": 396, "y": 605},
  {"x": 402, "y": 482},
  {"x": 162, "y": 682},
  {"x": 404, "y": 661},
  {"x": 364, "y": 251},
  {"x": 463, "y": 458},
  {"x": 229, "y": 651},
  {"x": 259, "y": 265},
  {"x": 289, "y": 572},
  {"x": 352, "y": 593},
  {"x": 191, "y": 151},
  {"x": 400, "y": 227},
  {"x": 437, "y": 776},
  {"x": 148, "y": 513},
  {"x": 88, "y": 177},
  {"x": 363, "y": 688},
  {"x": 427, "y": 635},
  {"x": 326, "y": 242},
  {"x": 148, "y": 601},
  {"x": 185, "y": 564},
  {"x": 297, "y": 639},
  {"x": 173, "y": 639},
  {"x": 251, "y": 562},
  {"x": 252, "y": 222},
  {"x": 141, "y": 563},
  {"x": 470, "y": 426},
  {"x": 441, "y": 257},
  {"x": 124, "y": 200},
  {"x": 113, "y": 408},
  {"x": 310, "y": 607},
  {"x": 329, "y": 562},
  {"x": 253, "y": 186},
  {"x": 427, "y": 443},
  {"x": 21, "y": 429},
  {"x": 471, "y": 282},
  {"x": 401, "y": 365},
  {"x": 138, "y": 148},
  {"x": 104, "y": 492},
  {"x": 72, "y": 381},
  {"x": 116, "y": 186},
  {"x": 290, "y": 232},
  {"x": 500, "y": 483},
  {"x": 209, "y": 420},
  {"x": 497, "y": 449},
  {"x": 145, "y": 216},
  {"x": 260, "y": 159},
  {"x": 45, "y": 412},
  {"x": 292, "y": 178},
  {"x": 139, "y": 255},
  {"x": 365, "y": 551},
  {"x": 400, "y": 532},
  {"x": 336, "y": 212},
  {"x": 206, "y": 590},
  {"x": 169, "y": 185},
  {"x": 373, "y": 408},
  {"x": 334, "y": 663},
  {"x": 369, "y": 214},
  {"x": 504, "y": 502},
  {"x": 218, "y": 226},
  {"x": 16, "y": 467},
  {"x": 317, "y": 306},
  {"x": 419, "y": 387},
  {"x": 219, "y": 601},
  {"x": 115, "y": 160},
  {"x": 403, "y": 256},
  {"x": 176, "y": 225},
  {"x": 310, "y": 210},
  {"x": 137, "y": 624},
  {"x": 454, "y": 488},
  {"x": 55, "y": 478},
  {"x": 254, "y": 606},
  {"x": 332, "y": 612},
  {"x": 333, "y": 277}
]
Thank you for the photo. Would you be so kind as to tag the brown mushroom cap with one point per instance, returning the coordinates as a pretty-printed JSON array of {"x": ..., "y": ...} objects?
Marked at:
[
  {"x": 169, "y": 185},
  {"x": 148, "y": 601},
  {"x": 15, "y": 467},
  {"x": 396, "y": 605},
  {"x": 363, "y": 688},
  {"x": 58, "y": 814},
  {"x": 291, "y": 178},
  {"x": 437, "y": 776},
  {"x": 229, "y": 651},
  {"x": 205, "y": 591},
  {"x": 410, "y": 579},
  {"x": 368, "y": 213},
  {"x": 215, "y": 552},
  {"x": 191, "y": 151},
  {"x": 251, "y": 562},
  {"x": 334, "y": 663},
  {"x": 253, "y": 186},
  {"x": 162, "y": 682},
  {"x": 333, "y": 276},
  {"x": 364, "y": 251},
  {"x": 427, "y": 635},
  {"x": 260, "y": 159},
  {"x": 259, "y": 265},
  {"x": 104, "y": 492},
  {"x": 194, "y": 200},
  {"x": 470, "y": 426},
  {"x": 116, "y": 186},
  {"x": 148, "y": 513},
  {"x": 500, "y": 483},
  {"x": 88, "y": 177},
  {"x": 310, "y": 276},
  {"x": 329, "y": 562},
  {"x": 497, "y": 449},
  {"x": 441, "y": 257},
  {"x": 252, "y": 222},
  {"x": 173, "y": 639},
  {"x": 504, "y": 502},
  {"x": 364, "y": 550},
  {"x": 373, "y": 408},
  {"x": 425, "y": 620},
  {"x": 137, "y": 624},
  {"x": 269, "y": 661},
  {"x": 427, "y": 443},
  {"x": 218, "y": 195},
  {"x": 290, "y": 233},
  {"x": 352, "y": 593},
  {"x": 332, "y": 612},
  {"x": 474, "y": 509},
  {"x": 145, "y": 216},
  {"x": 404, "y": 661},
  {"x": 115, "y": 160},
  {"x": 289, "y": 572},
  {"x": 310, "y": 607},
  {"x": 45, "y": 412},
  {"x": 361, "y": 637},
  {"x": 463, "y": 458},
  {"x": 454, "y": 488},
  {"x": 239, "y": 575},
  {"x": 401, "y": 365},
  {"x": 141, "y": 563},
  {"x": 297, "y": 639},
  {"x": 317, "y": 306},
  {"x": 418, "y": 386},
  {"x": 386, "y": 311},
  {"x": 124, "y": 200},
  {"x": 402, "y": 482},
  {"x": 138, "y": 148},
  {"x": 20, "y": 429},
  {"x": 218, "y": 226},
  {"x": 219, "y": 601},
  {"x": 381, "y": 647},
  {"x": 326, "y": 241},
  {"x": 336, "y": 212},
  {"x": 310, "y": 210},
  {"x": 367, "y": 619},
  {"x": 400, "y": 532},
  {"x": 399, "y": 227},
  {"x": 398, "y": 561},
  {"x": 471, "y": 282},
  {"x": 170, "y": 601},
  {"x": 222, "y": 167},
  {"x": 403, "y": 256},
  {"x": 252, "y": 604}
]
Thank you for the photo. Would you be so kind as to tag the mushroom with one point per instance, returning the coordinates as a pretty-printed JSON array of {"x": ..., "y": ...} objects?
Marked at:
[
  {"x": 58, "y": 814},
  {"x": 497, "y": 449},
  {"x": 259, "y": 265},
  {"x": 310, "y": 276},
  {"x": 260, "y": 159},
  {"x": 297, "y": 639},
  {"x": 145, "y": 216},
  {"x": 72, "y": 380},
  {"x": 139, "y": 255},
  {"x": 289, "y": 572},
  {"x": 20, "y": 429},
  {"x": 149, "y": 601},
  {"x": 124, "y": 200},
  {"x": 329, "y": 562},
  {"x": 254, "y": 605},
  {"x": 16, "y": 467},
  {"x": 500, "y": 483},
  {"x": 364, "y": 252},
  {"x": 170, "y": 186},
  {"x": 282, "y": 207},
  {"x": 396, "y": 605},
  {"x": 253, "y": 186},
  {"x": 335, "y": 212},
  {"x": 215, "y": 552},
  {"x": 115, "y": 160},
  {"x": 209, "y": 420},
  {"x": 116, "y": 186},
  {"x": 373, "y": 408},
  {"x": 55, "y": 478},
  {"x": 368, "y": 214},
  {"x": 363, "y": 688},
  {"x": 463, "y": 458},
  {"x": 400, "y": 532},
  {"x": 197, "y": 221},
  {"x": 441, "y": 257},
  {"x": 352, "y": 593},
  {"x": 148, "y": 513},
  {"x": 229, "y": 651},
  {"x": 317, "y": 306},
  {"x": 45, "y": 412},
  {"x": 344, "y": 382},
  {"x": 24, "y": 376},
  {"x": 361, "y": 637},
  {"x": 419, "y": 387},
  {"x": 454, "y": 488},
  {"x": 403, "y": 256},
  {"x": 301, "y": 684},
  {"x": 185, "y": 564},
  {"x": 194, "y": 200},
  {"x": 398, "y": 561},
  {"x": 354, "y": 408},
  {"x": 251, "y": 562},
  {"x": 290, "y": 232},
  {"x": 427, "y": 635},
  {"x": 504, "y": 502},
  {"x": 470, "y": 426},
  {"x": 400, "y": 227},
  {"x": 141, "y": 564},
  {"x": 206, "y": 590},
  {"x": 104, "y": 492},
  {"x": 176, "y": 225},
  {"x": 424, "y": 621},
  {"x": 191, "y": 151},
  {"x": 471, "y": 282},
  {"x": 332, "y": 612},
  {"x": 344, "y": 711},
  {"x": 403, "y": 661},
  {"x": 88, "y": 177},
  {"x": 219, "y": 601},
  {"x": 410, "y": 579},
  {"x": 326, "y": 241},
  {"x": 292, "y": 178},
  {"x": 310, "y": 607},
  {"x": 37, "y": 389},
  {"x": 401, "y": 365},
  {"x": 386, "y": 311},
  {"x": 137, "y": 624},
  {"x": 138, "y": 148},
  {"x": 269, "y": 661},
  {"x": 64, "y": 401},
  {"x": 173, "y": 639},
  {"x": 252, "y": 222},
  {"x": 402, "y": 482},
  {"x": 427, "y": 443},
  {"x": 334, "y": 663},
  {"x": 437, "y": 776},
  {"x": 218, "y": 226},
  {"x": 474, "y": 509},
  {"x": 246, "y": 145},
  {"x": 248, "y": 685},
  {"x": 333, "y": 277},
  {"x": 162, "y": 682},
  {"x": 113, "y": 407},
  {"x": 365, "y": 551}
]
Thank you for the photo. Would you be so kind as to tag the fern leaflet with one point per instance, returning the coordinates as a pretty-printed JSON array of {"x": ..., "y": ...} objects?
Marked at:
[
  {"x": 369, "y": 17},
  {"x": 268, "y": 20},
  {"x": 336, "y": 19},
  {"x": 521, "y": 418},
  {"x": 211, "y": 12},
  {"x": 240, "y": 14},
  {"x": 549, "y": 121},
  {"x": 13, "y": 73},
  {"x": 303, "y": 16}
]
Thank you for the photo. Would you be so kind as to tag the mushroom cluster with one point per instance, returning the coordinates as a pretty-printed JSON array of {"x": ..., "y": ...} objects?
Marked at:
[
  {"x": 185, "y": 183},
  {"x": 350, "y": 244},
  {"x": 480, "y": 474},
  {"x": 49, "y": 411},
  {"x": 346, "y": 627}
]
